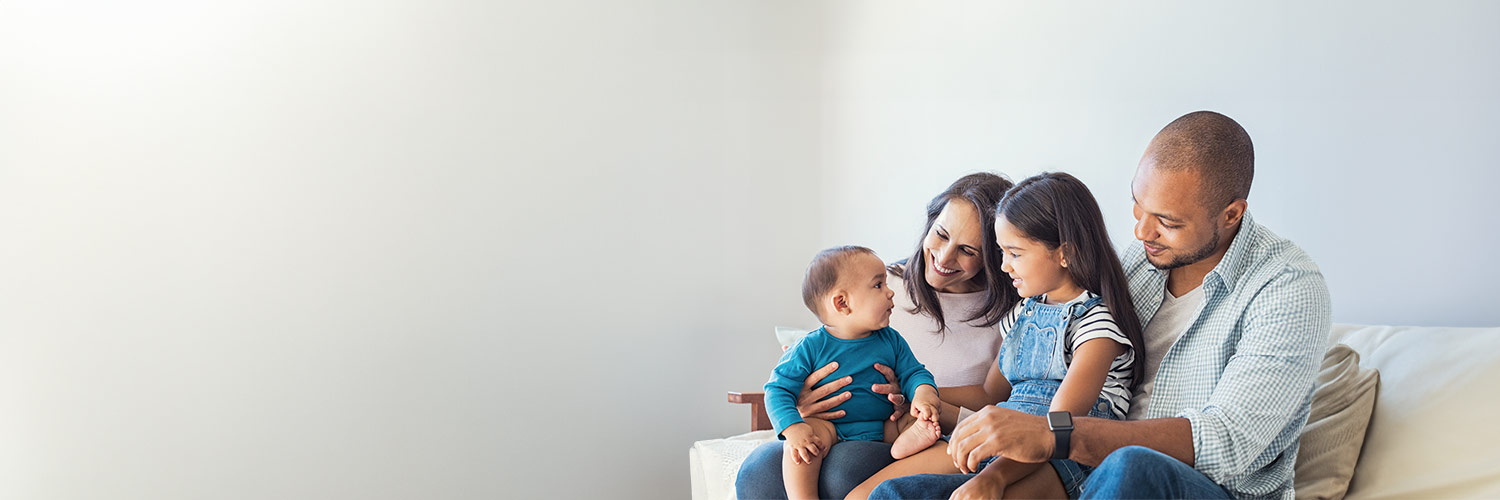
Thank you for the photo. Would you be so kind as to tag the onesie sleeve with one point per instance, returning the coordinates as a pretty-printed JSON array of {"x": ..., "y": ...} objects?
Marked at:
[{"x": 786, "y": 384}]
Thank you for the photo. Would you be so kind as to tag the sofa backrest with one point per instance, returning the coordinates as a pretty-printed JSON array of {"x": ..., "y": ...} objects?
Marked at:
[{"x": 1430, "y": 435}]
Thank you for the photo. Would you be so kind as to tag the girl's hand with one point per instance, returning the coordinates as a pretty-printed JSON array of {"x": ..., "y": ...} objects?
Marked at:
[
  {"x": 810, "y": 403},
  {"x": 980, "y": 487},
  {"x": 891, "y": 389}
]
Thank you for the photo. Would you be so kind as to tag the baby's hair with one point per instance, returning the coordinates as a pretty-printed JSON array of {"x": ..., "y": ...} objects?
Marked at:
[
  {"x": 1057, "y": 210},
  {"x": 823, "y": 273}
]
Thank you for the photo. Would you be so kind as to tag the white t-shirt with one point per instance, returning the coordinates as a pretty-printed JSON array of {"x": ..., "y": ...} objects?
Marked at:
[
  {"x": 1095, "y": 323},
  {"x": 1169, "y": 323},
  {"x": 957, "y": 357}
]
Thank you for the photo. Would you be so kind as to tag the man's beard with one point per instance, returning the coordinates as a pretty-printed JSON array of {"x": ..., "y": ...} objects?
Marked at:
[{"x": 1197, "y": 255}]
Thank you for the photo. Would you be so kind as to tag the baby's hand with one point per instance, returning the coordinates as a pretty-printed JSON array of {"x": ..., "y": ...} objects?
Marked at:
[
  {"x": 924, "y": 410},
  {"x": 802, "y": 443}
]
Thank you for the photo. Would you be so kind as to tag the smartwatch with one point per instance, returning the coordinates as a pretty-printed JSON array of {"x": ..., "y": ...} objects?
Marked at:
[{"x": 1061, "y": 425}]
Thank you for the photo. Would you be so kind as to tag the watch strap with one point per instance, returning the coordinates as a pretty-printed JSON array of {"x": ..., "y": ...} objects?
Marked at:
[{"x": 1060, "y": 450}]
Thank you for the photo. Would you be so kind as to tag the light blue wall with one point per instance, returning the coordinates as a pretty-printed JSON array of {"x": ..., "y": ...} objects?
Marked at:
[
  {"x": 1375, "y": 124},
  {"x": 466, "y": 249}
]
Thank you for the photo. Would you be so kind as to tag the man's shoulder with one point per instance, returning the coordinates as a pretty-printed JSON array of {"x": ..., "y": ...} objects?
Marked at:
[
  {"x": 1279, "y": 276},
  {"x": 1270, "y": 256}
]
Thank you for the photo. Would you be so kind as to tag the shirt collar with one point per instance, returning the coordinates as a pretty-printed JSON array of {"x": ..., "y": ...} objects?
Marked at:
[{"x": 1235, "y": 260}]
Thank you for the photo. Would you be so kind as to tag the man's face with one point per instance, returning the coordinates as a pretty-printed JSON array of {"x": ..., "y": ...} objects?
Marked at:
[{"x": 1170, "y": 219}]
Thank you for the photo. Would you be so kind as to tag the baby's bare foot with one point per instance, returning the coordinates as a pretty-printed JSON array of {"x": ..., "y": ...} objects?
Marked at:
[{"x": 916, "y": 438}]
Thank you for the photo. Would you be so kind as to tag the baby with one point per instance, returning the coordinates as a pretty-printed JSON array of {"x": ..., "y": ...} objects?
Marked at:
[{"x": 846, "y": 288}]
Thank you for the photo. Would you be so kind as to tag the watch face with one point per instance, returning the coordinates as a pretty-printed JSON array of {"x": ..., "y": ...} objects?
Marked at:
[{"x": 1060, "y": 420}]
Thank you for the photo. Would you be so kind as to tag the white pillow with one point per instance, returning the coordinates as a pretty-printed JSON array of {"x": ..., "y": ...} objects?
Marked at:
[{"x": 1335, "y": 430}]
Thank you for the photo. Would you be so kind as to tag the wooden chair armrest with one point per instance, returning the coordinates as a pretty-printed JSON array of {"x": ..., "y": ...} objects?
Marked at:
[{"x": 759, "y": 420}]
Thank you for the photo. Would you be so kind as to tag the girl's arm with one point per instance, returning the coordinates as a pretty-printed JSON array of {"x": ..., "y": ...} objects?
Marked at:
[
  {"x": 996, "y": 387},
  {"x": 972, "y": 397},
  {"x": 975, "y": 397},
  {"x": 1080, "y": 387}
]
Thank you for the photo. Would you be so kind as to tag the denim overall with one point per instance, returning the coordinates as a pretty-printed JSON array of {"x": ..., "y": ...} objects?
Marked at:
[
  {"x": 1032, "y": 359},
  {"x": 1031, "y": 356}
]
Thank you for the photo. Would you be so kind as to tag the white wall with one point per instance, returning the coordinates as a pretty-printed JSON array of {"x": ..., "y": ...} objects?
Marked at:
[
  {"x": 1374, "y": 124},
  {"x": 339, "y": 249}
]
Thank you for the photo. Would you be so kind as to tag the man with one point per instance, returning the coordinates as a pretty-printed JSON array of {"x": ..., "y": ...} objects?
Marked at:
[{"x": 1236, "y": 318}]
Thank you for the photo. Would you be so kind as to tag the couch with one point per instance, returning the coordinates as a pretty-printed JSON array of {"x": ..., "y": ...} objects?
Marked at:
[{"x": 1427, "y": 392}]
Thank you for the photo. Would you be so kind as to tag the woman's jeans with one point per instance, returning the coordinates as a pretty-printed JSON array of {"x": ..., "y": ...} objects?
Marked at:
[{"x": 847, "y": 464}]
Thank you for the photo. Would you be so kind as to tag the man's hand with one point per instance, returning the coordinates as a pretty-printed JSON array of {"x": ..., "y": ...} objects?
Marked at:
[
  {"x": 892, "y": 390},
  {"x": 810, "y": 403},
  {"x": 996, "y": 431},
  {"x": 802, "y": 444}
]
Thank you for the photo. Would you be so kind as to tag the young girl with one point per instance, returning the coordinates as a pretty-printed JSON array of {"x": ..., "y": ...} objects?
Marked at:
[{"x": 1071, "y": 345}]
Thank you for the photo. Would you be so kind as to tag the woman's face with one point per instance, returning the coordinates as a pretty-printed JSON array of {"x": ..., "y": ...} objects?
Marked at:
[{"x": 952, "y": 249}]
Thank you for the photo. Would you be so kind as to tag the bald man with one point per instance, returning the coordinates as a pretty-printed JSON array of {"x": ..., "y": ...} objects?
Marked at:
[{"x": 1237, "y": 319}]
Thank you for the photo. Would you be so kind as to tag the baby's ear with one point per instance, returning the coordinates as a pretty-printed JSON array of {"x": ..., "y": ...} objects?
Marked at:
[{"x": 838, "y": 302}]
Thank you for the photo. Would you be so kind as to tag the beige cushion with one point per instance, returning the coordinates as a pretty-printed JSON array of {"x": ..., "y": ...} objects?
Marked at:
[{"x": 1335, "y": 431}]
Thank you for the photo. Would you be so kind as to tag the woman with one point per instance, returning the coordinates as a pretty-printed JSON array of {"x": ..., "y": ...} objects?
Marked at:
[{"x": 949, "y": 297}]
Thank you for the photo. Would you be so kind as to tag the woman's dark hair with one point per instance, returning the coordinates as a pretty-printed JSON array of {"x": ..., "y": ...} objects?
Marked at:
[
  {"x": 1057, "y": 210},
  {"x": 983, "y": 190}
]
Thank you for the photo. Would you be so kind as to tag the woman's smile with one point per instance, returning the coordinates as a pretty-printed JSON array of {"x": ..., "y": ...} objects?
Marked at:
[{"x": 943, "y": 270}]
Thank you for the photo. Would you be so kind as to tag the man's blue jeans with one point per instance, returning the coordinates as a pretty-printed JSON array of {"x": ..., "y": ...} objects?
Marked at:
[
  {"x": 848, "y": 463},
  {"x": 1130, "y": 472},
  {"x": 1140, "y": 472}
]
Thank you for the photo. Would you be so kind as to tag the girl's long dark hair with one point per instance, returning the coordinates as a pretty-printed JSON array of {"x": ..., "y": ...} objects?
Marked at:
[
  {"x": 983, "y": 190},
  {"x": 1057, "y": 210}
]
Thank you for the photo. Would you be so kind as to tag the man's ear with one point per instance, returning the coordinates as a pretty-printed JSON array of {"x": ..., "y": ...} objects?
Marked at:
[{"x": 1233, "y": 213}]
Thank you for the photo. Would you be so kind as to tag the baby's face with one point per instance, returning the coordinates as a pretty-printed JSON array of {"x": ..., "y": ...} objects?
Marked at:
[{"x": 869, "y": 297}]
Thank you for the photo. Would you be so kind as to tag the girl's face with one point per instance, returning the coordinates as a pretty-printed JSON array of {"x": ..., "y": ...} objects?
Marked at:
[
  {"x": 952, "y": 248},
  {"x": 1034, "y": 270}
]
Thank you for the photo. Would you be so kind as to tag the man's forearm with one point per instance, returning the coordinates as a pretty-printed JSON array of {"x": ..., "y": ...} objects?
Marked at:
[{"x": 1095, "y": 438}]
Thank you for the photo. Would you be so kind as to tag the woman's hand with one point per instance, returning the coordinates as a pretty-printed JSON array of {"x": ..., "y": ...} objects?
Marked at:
[
  {"x": 996, "y": 431},
  {"x": 810, "y": 402},
  {"x": 892, "y": 391}
]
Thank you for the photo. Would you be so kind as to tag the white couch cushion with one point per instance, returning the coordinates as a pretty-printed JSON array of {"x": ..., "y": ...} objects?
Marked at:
[
  {"x": 715, "y": 463},
  {"x": 1430, "y": 435}
]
